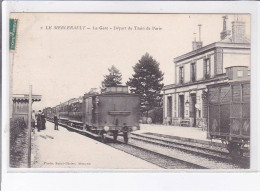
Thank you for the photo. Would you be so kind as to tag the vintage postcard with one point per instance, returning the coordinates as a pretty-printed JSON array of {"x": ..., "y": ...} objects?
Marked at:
[
  {"x": 129, "y": 95},
  {"x": 130, "y": 91}
]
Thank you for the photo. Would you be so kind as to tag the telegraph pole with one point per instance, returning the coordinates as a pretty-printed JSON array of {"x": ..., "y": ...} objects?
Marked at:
[{"x": 29, "y": 126}]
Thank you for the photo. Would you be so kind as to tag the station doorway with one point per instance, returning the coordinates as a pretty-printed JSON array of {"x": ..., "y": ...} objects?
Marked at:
[
  {"x": 169, "y": 106},
  {"x": 181, "y": 106},
  {"x": 193, "y": 108}
]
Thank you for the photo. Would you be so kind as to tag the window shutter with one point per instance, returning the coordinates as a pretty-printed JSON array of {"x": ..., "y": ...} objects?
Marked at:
[{"x": 204, "y": 68}]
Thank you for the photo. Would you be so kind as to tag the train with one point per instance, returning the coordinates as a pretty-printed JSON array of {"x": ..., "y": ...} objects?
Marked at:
[
  {"x": 229, "y": 112},
  {"x": 112, "y": 112}
]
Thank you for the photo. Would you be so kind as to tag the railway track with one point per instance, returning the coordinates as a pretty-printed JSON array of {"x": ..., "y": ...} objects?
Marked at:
[
  {"x": 183, "y": 146},
  {"x": 199, "y": 149},
  {"x": 161, "y": 160},
  {"x": 200, "y": 144},
  {"x": 189, "y": 157},
  {"x": 170, "y": 153}
]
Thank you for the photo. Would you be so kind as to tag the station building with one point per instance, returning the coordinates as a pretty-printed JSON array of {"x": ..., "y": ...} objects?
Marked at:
[
  {"x": 185, "y": 101},
  {"x": 20, "y": 105}
]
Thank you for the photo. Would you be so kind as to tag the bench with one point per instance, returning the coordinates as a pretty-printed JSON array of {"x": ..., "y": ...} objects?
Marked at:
[
  {"x": 185, "y": 122},
  {"x": 176, "y": 121}
]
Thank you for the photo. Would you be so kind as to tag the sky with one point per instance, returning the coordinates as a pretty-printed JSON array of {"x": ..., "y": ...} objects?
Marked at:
[{"x": 61, "y": 64}]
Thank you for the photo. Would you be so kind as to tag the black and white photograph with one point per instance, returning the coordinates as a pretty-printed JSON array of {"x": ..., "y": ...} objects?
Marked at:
[
  {"x": 130, "y": 95},
  {"x": 129, "y": 91},
  {"x": 96, "y": 90}
]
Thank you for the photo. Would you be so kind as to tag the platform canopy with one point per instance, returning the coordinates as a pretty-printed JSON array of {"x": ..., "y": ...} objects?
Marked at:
[{"x": 25, "y": 98}]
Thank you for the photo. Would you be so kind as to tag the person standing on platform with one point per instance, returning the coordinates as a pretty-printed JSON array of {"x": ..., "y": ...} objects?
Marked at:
[
  {"x": 33, "y": 121},
  {"x": 43, "y": 120},
  {"x": 39, "y": 121},
  {"x": 55, "y": 122}
]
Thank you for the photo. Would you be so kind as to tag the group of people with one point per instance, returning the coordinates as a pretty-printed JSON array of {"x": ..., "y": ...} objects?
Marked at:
[{"x": 39, "y": 119}]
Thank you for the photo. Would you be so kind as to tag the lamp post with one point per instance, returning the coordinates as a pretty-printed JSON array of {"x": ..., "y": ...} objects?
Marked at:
[
  {"x": 146, "y": 107},
  {"x": 187, "y": 103},
  {"x": 29, "y": 126},
  {"x": 204, "y": 95}
]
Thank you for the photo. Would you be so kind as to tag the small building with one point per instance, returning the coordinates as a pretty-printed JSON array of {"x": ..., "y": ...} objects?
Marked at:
[
  {"x": 20, "y": 106},
  {"x": 185, "y": 101}
]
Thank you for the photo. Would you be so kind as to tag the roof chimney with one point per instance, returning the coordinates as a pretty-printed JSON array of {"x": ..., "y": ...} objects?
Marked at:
[
  {"x": 197, "y": 44},
  {"x": 225, "y": 32},
  {"x": 199, "y": 32},
  {"x": 194, "y": 36},
  {"x": 238, "y": 32}
]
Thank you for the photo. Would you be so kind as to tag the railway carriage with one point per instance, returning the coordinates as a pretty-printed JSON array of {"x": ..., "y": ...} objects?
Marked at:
[
  {"x": 111, "y": 113},
  {"x": 56, "y": 111},
  {"x": 229, "y": 114},
  {"x": 52, "y": 114},
  {"x": 47, "y": 112},
  {"x": 75, "y": 114},
  {"x": 64, "y": 112}
]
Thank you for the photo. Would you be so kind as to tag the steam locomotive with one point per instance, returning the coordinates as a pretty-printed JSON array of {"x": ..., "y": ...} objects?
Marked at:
[{"x": 113, "y": 112}]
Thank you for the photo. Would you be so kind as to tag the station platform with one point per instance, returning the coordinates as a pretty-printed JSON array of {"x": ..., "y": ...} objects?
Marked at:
[
  {"x": 184, "y": 133},
  {"x": 67, "y": 149}
]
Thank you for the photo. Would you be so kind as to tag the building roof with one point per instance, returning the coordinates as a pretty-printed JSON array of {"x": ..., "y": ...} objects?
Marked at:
[
  {"x": 218, "y": 78},
  {"x": 25, "y": 98},
  {"x": 228, "y": 39},
  {"x": 212, "y": 46}
]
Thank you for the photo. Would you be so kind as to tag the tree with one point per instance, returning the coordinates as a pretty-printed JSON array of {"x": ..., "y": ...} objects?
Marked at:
[
  {"x": 147, "y": 81},
  {"x": 114, "y": 78}
]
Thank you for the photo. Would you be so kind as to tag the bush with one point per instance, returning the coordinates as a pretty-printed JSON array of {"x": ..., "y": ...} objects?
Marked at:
[
  {"x": 18, "y": 142},
  {"x": 156, "y": 115}
]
